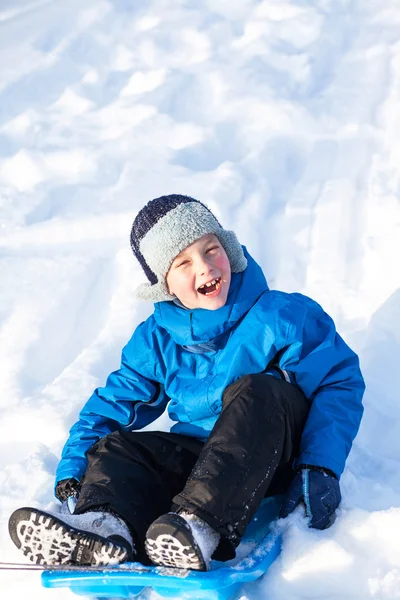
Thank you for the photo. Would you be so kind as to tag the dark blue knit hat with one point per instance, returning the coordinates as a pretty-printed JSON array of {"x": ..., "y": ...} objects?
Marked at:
[{"x": 163, "y": 228}]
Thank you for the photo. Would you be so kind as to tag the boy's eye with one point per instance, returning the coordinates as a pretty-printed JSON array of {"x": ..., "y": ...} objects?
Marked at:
[{"x": 186, "y": 261}]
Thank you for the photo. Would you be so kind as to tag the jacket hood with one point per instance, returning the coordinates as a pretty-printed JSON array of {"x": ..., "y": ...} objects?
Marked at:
[{"x": 189, "y": 327}]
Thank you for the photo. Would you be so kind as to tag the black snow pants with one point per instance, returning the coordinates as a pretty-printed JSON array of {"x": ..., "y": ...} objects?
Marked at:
[{"x": 141, "y": 475}]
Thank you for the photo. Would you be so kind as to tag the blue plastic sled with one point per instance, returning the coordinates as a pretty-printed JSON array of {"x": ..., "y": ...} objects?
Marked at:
[{"x": 259, "y": 548}]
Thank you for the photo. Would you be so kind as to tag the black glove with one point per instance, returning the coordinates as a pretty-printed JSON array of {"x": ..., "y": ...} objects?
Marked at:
[
  {"x": 319, "y": 489},
  {"x": 67, "y": 488}
]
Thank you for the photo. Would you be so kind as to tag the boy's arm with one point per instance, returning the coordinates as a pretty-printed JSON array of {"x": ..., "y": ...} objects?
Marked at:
[
  {"x": 328, "y": 372},
  {"x": 131, "y": 399}
]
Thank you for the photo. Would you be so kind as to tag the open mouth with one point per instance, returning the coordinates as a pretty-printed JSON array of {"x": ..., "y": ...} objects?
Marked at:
[{"x": 210, "y": 287}]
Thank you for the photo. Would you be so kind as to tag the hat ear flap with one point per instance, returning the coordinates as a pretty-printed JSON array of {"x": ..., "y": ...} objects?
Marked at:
[
  {"x": 233, "y": 249},
  {"x": 153, "y": 293}
]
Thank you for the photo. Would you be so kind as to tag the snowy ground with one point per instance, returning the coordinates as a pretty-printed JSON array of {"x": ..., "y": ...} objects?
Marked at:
[{"x": 284, "y": 117}]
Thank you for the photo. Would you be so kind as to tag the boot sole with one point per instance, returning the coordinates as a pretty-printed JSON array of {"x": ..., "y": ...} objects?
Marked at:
[
  {"x": 170, "y": 543},
  {"x": 46, "y": 540}
]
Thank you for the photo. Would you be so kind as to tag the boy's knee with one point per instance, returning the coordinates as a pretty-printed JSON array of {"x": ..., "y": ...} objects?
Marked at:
[
  {"x": 256, "y": 386},
  {"x": 111, "y": 440}
]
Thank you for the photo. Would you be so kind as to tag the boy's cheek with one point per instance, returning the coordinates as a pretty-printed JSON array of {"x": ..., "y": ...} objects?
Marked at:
[{"x": 222, "y": 262}]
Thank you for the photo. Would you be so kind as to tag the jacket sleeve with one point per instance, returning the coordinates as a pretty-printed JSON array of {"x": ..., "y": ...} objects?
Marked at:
[
  {"x": 328, "y": 373},
  {"x": 132, "y": 398}
]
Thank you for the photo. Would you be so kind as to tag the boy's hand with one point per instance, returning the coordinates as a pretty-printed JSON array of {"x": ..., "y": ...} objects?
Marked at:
[
  {"x": 319, "y": 489},
  {"x": 67, "y": 488}
]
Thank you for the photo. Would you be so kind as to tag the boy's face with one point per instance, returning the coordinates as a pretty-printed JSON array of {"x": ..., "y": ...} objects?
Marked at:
[{"x": 203, "y": 262}]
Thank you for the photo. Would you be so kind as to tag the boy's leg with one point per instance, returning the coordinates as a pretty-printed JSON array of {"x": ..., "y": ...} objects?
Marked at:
[
  {"x": 255, "y": 438},
  {"x": 135, "y": 475}
]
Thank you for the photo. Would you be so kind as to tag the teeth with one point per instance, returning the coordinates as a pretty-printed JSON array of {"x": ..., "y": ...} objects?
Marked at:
[{"x": 213, "y": 282}]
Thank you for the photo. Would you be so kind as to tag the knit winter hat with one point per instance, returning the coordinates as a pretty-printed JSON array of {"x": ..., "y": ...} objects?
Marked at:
[{"x": 165, "y": 227}]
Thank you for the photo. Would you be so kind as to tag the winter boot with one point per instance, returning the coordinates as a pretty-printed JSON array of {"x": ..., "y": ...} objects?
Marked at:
[
  {"x": 92, "y": 538},
  {"x": 181, "y": 540}
]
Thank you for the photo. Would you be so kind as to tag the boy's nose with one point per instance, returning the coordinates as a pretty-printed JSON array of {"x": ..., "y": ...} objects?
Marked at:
[{"x": 204, "y": 267}]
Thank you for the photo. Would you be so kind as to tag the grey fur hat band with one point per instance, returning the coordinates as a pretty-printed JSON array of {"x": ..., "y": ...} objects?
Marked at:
[{"x": 165, "y": 227}]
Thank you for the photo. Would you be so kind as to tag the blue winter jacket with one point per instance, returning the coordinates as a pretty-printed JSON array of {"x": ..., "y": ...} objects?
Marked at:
[{"x": 183, "y": 359}]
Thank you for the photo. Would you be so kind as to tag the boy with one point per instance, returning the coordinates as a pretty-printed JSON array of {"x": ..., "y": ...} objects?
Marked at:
[{"x": 265, "y": 395}]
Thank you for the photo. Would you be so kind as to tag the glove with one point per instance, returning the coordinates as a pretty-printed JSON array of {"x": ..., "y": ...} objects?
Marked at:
[
  {"x": 319, "y": 489},
  {"x": 67, "y": 488}
]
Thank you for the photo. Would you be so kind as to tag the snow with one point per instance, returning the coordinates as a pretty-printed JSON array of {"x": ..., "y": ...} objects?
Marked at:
[{"x": 283, "y": 116}]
